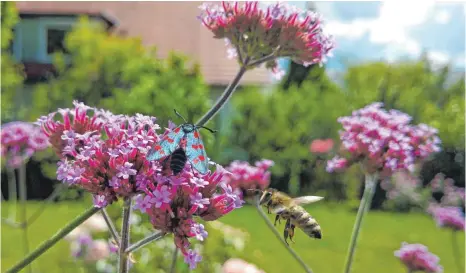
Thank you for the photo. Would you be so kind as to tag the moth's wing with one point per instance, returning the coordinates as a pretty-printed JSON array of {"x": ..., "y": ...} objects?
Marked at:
[
  {"x": 196, "y": 153},
  {"x": 303, "y": 200},
  {"x": 167, "y": 145}
]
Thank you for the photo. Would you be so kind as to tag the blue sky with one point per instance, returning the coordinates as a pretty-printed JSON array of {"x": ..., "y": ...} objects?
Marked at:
[{"x": 394, "y": 30}]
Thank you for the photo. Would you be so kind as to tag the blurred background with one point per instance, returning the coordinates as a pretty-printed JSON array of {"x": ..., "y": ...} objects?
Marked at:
[{"x": 151, "y": 57}]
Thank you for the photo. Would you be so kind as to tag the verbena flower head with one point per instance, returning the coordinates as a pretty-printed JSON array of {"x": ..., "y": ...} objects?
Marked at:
[
  {"x": 105, "y": 154},
  {"x": 101, "y": 152},
  {"x": 89, "y": 250},
  {"x": 321, "y": 146},
  {"x": 235, "y": 265},
  {"x": 20, "y": 140},
  {"x": 246, "y": 177},
  {"x": 417, "y": 258},
  {"x": 403, "y": 187},
  {"x": 174, "y": 203},
  {"x": 452, "y": 195},
  {"x": 448, "y": 217},
  {"x": 278, "y": 30},
  {"x": 384, "y": 141}
]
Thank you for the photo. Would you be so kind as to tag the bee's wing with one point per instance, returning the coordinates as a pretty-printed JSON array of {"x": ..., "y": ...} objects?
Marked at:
[{"x": 303, "y": 200}]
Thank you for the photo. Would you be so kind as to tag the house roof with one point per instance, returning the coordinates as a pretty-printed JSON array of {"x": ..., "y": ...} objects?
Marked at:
[{"x": 166, "y": 25}]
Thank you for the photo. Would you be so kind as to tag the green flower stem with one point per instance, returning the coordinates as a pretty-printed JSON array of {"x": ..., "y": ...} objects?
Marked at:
[
  {"x": 53, "y": 240},
  {"x": 369, "y": 190},
  {"x": 12, "y": 193},
  {"x": 23, "y": 202},
  {"x": 225, "y": 96},
  {"x": 144, "y": 242},
  {"x": 279, "y": 237},
  {"x": 173, "y": 265},
  {"x": 262, "y": 60},
  {"x": 123, "y": 261},
  {"x": 456, "y": 251},
  {"x": 111, "y": 227},
  {"x": 44, "y": 204}
]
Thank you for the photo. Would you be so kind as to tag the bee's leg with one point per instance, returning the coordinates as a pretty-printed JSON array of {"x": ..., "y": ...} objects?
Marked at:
[
  {"x": 292, "y": 232},
  {"x": 286, "y": 233},
  {"x": 277, "y": 218},
  {"x": 268, "y": 206}
]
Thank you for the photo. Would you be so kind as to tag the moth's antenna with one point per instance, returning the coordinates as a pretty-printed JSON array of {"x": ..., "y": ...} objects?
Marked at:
[
  {"x": 178, "y": 114},
  {"x": 210, "y": 130}
]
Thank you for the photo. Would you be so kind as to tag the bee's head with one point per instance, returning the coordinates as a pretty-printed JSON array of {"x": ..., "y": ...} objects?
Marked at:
[{"x": 266, "y": 196}]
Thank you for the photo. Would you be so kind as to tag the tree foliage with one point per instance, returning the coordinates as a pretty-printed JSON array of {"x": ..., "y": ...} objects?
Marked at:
[
  {"x": 12, "y": 74},
  {"x": 122, "y": 75}
]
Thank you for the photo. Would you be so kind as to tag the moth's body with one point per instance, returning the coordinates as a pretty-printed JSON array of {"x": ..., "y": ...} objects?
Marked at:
[
  {"x": 288, "y": 209},
  {"x": 175, "y": 162}
]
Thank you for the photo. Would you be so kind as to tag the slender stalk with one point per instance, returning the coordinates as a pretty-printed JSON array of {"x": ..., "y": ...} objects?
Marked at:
[
  {"x": 369, "y": 190},
  {"x": 262, "y": 60},
  {"x": 123, "y": 261},
  {"x": 111, "y": 227},
  {"x": 23, "y": 203},
  {"x": 44, "y": 204},
  {"x": 173, "y": 265},
  {"x": 11, "y": 223},
  {"x": 279, "y": 237},
  {"x": 225, "y": 96},
  {"x": 41, "y": 249},
  {"x": 12, "y": 191},
  {"x": 456, "y": 252},
  {"x": 144, "y": 242}
]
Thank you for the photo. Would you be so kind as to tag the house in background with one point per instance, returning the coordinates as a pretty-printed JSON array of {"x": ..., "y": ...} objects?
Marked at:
[{"x": 165, "y": 25}]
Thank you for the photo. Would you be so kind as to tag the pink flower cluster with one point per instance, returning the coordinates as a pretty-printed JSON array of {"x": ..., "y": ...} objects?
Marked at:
[
  {"x": 246, "y": 177},
  {"x": 321, "y": 146},
  {"x": 20, "y": 140},
  {"x": 278, "y": 30},
  {"x": 102, "y": 153},
  {"x": 452, "y": 195},
  {"x": 417, "y": 258},
  {"x": 449, "y": 217},
  {"x": 384, "y": 141},
  {"x": 105, "y": 154},
  {"x": 90, "y": 250},
  {"x": 403, "y": 186},
  {"x": 235, "y": 265}
]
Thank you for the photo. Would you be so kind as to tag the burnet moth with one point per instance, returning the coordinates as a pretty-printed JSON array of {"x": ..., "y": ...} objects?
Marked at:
[{"x": 186, "y": 141}]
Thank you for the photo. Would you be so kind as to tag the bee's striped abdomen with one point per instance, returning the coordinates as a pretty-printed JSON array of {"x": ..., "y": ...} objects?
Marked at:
[
  {"x": 177, "y": 161},
  {"x": 303, "y": 220}
]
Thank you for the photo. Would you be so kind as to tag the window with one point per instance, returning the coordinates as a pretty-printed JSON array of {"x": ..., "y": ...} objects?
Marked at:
[{"x": 56, "y": 40}]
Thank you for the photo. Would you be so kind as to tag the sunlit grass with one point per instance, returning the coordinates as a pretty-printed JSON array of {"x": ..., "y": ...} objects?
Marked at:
[{"x": 382, "y": 234}]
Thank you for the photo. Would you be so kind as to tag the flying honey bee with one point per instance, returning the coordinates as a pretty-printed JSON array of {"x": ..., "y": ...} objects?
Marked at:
[{"x": 289, "y": 209}]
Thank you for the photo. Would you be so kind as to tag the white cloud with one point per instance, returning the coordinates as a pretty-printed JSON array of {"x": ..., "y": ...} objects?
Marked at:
[
  {"x": 442, "y": 17},
  {"x": 390, "y": 28},
  {"x": 353, "y": 30},
  {"x": 440, "y": 58},
  {"x": 460, "y": 61}
]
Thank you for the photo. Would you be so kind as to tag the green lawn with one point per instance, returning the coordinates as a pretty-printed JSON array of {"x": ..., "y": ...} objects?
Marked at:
[{"x": 382, "y": 234}]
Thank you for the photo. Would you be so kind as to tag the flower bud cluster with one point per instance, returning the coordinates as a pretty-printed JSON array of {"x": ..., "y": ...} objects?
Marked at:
[
  {"x": 417, "y": 257},
  {"x": 278, "y": 30},
  {"x": 245, "y": 177},
  {"x": 20, "y": 140},
  {"x": 383, "y": 141}
]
